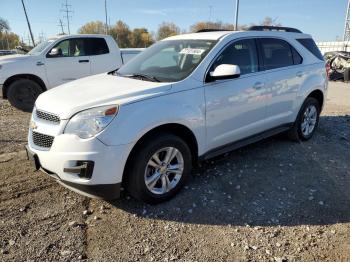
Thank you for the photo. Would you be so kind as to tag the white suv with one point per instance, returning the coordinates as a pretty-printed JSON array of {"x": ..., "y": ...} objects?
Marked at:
[{"x": 184, "y": 99}]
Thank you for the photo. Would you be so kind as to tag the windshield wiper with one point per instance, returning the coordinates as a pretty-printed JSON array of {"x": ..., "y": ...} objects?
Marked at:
[{"x": 144, "y": 76}]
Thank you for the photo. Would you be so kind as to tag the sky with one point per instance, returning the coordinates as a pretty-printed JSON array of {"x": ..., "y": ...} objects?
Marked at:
[{"x": 324, "y": 19}]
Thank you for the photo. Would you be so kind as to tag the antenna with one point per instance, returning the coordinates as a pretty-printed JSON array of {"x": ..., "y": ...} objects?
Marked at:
[
  {"x": 67, "y": 10},
  {"x": 61, "y": 25},
  {"x": 347, "y": 24}
]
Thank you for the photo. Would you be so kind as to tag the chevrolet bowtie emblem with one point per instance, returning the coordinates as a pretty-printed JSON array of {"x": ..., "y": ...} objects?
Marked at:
[{"x": 33, "y": 125}]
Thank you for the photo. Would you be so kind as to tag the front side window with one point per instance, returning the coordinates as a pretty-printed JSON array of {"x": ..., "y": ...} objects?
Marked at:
[
  {"x": 276, "y": 53},
  {"x": 63, "y": 48},
  {"x": 71, "y": 47},
  {"x": 168, "y": 61},
  {"x": 242, "y": 53}
]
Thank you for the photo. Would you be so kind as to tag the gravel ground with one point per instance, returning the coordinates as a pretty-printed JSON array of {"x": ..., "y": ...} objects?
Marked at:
[{"x": 271, "y": 201}]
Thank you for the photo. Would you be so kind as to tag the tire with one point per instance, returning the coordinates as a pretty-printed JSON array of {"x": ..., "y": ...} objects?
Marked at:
[
  {"x": 140, "y": 170},
  {"x": 22, "y": 94},
  {"x": 306, "y": 119}
]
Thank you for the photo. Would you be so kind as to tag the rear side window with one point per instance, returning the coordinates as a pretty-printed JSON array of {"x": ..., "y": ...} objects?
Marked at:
[
  {"x": 276, "y": 53},
  {"x": 310, "y": 45},
  {"x": 297, "y": 59},
  {"x": 96, "y": 46}
]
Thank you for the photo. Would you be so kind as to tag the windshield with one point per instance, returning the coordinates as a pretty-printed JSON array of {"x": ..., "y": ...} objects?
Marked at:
[
  {"x": 168, "y": 61},
  {"x": 40, "y": 47}
]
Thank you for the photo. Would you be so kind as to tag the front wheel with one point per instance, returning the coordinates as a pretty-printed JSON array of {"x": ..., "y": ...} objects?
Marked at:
[
  {"x": 307, "y": 120},
  {"x": 159, "y": 168},
  {"x": 22, "y": 94}
]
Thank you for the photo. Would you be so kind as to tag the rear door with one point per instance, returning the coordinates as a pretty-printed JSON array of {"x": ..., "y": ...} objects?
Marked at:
[
  {"x": 100, "y": 56},
  {"x": 71, "y": 63},
  {"x": 281, "y": 62}
]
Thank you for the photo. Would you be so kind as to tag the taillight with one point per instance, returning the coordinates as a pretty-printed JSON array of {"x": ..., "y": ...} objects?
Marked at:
[{"x": 328, "y": 68}]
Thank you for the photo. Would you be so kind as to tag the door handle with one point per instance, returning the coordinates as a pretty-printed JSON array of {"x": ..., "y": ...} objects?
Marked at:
[
  {"x": 299, "y": 74},
  {"x": 39, "y": 63},
  {"x": 258, "y": 85},
  {"x": 84, "y": 61}
]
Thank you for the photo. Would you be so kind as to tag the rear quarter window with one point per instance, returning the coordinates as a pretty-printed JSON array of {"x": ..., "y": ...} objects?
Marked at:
[{"x": 310, "y": 45}]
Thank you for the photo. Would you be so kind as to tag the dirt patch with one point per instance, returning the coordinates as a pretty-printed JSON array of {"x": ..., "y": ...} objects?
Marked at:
[{"x": 271, "y": 201}]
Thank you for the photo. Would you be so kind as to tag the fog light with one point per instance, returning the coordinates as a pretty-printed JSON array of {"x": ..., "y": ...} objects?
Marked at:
[{"x": 83, "y": 169}]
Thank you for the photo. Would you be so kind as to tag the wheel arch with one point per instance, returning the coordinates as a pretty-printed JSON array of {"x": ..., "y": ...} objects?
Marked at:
[
  {"x": 179, "y": 130},
  {"x": 318, "y": 95},
  {"x": 14, "y": 78}
]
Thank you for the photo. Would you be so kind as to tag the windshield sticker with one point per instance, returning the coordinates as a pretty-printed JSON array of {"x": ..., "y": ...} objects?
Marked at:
[{"x": 192, "y": 51}]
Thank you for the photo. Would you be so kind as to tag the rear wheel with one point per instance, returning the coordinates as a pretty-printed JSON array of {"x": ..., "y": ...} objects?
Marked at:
[
  {"x": 307, "y": 120},
  {"x": 159, "y": 168},
  {"x": 22, "y": 94}
]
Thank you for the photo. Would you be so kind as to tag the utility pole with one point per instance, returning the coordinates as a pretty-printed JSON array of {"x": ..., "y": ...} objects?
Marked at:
[
  {"x": 67, "y": 9},
  {"x": 61, "y": 25},
  {"x": 30, "y": 29},
  {"x": 210, "y": 10},
  {"x": 236, "y": 17},
  {"x": 41, "y": 36},
  {"x": 106, "y": 17},
  {"x": 347, "y": 24}
]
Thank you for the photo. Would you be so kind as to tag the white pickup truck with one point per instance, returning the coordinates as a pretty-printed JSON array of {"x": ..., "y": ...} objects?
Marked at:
[{"x": 57, "y": 61}]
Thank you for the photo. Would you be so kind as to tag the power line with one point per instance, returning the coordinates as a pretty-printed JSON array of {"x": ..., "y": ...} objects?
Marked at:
[
  {"x": 67, "y": 9},
  {"x": 30, "y": 29}
]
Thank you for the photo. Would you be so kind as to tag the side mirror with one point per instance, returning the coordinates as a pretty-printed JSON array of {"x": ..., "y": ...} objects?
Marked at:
[
  {"x": 55, "y": 52},
  {"x": 225, "y": 71}
]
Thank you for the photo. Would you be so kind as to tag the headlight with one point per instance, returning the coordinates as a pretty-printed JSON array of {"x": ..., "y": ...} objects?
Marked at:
[{"x": 90, "y": 122}]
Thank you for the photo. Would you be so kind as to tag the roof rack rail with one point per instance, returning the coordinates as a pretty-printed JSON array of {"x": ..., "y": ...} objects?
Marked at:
[
  {"x": 274, "y": 28},
  {"x": 211, "y": 30}
]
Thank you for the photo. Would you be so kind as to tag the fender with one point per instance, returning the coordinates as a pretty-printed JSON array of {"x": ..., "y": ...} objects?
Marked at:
[{"x": 176, "y": 108}]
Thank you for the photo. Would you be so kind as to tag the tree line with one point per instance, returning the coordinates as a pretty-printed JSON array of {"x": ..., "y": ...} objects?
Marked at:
[
  {"x": 8, "y": 40},
  {"x": 142, "y": 37},
  {"x": 124, "y": 35}
]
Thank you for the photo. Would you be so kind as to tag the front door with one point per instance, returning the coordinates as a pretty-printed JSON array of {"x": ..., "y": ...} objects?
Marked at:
[
  {"x": 236, "y": 108},
  {"x": 69, "y": 64}
]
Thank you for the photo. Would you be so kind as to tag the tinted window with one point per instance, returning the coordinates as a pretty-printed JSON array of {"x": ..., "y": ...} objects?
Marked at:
[
  {"x": 242, "y": 53},
  {"x": 276, "y": 53},
  {"x": 96, "y": 46},
  {"x": 310, "y": 45},
  {"x": 297, "y": 59}
]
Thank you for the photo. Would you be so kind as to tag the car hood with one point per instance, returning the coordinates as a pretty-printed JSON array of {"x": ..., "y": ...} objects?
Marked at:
[
  {"x": 13, "y": 58},
  {"x": 98, "y": 90}
]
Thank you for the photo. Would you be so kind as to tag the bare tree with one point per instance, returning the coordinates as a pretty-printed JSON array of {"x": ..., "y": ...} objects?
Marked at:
[{"x": 167, "y": 29}]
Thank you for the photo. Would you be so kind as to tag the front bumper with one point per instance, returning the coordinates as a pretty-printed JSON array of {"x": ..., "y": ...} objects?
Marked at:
[{"x": 67, "y": 153}]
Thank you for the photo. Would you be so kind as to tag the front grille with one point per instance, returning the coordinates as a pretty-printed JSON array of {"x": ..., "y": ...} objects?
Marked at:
[
  {"x": 42, "y": 140},
  {"x": 48, "y": 117}
]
